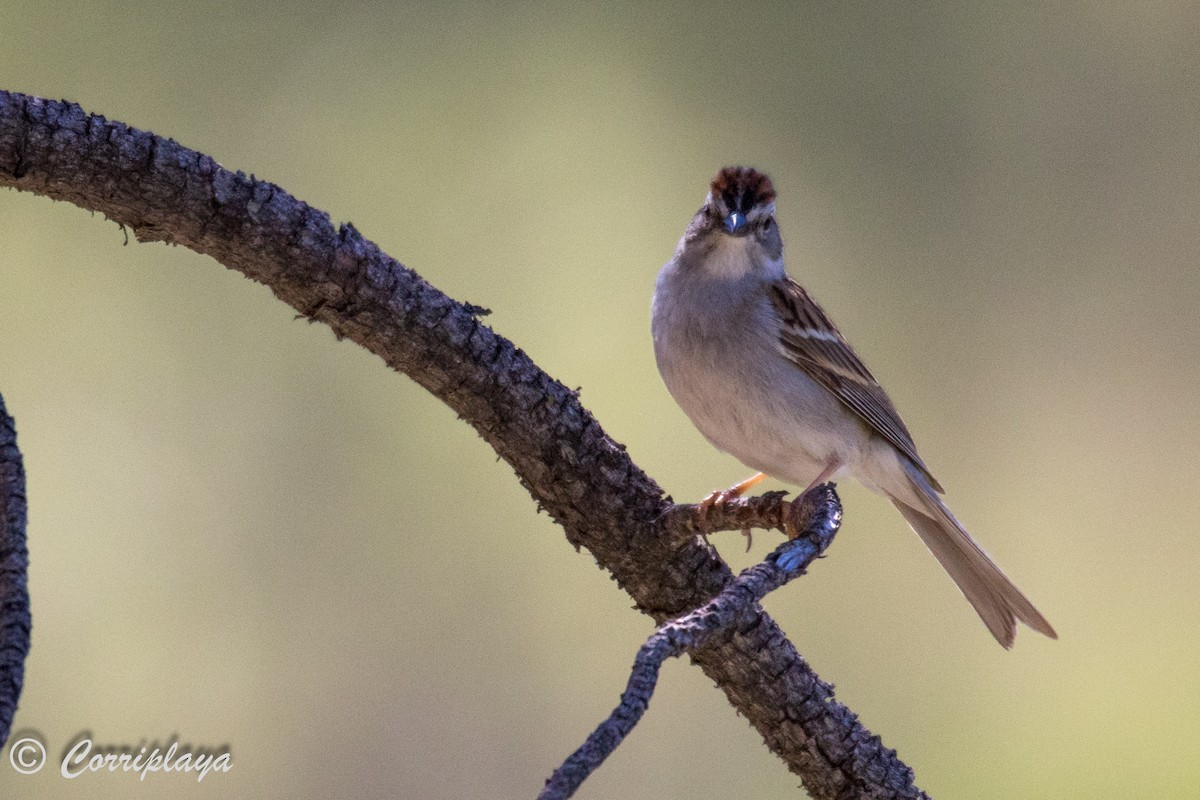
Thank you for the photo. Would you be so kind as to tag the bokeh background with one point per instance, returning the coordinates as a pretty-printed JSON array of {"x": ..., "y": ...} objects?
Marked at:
[{"x": 243, "y": 531}]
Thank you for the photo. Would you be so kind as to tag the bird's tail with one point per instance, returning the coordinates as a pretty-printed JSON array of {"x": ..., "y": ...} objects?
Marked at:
[{"x": 996, "y": 599}]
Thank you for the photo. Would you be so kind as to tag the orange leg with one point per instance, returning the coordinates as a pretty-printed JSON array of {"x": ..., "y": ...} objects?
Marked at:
[
  {"x": 724, "y": 496},
  {"x": 825, "y": 475},
  {"x": 732, "y": 493}
]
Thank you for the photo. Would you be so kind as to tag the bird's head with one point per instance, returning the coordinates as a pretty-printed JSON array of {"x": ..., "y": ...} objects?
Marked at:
[{"x": 735, "y": 231}]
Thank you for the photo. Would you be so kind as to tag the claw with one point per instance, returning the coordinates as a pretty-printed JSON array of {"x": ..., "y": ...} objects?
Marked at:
[
  {"x": 795, "y": 515},
  {"x": 789, "y": 513},
  {"x": 723, "y": 496},
  {"x": 798, "y": 509}
]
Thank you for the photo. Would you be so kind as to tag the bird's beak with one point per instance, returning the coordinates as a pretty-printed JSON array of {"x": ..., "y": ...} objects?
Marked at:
[{"x": 735, "y": 224}]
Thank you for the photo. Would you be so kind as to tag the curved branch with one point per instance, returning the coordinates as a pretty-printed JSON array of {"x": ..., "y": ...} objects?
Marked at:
[
  {"x": 15, "y": 622},
  {"x": 817, "y": 516},
  {"x": 582, "y": 478}
]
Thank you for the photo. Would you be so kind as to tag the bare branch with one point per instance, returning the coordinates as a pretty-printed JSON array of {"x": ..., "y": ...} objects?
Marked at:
[
  {"x": 582, "y": 478},
  {"x": 817, "y": 515},
  {"x": 15, "y": 624}
]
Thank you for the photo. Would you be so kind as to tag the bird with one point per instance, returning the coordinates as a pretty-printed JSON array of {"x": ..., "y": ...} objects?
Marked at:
[{"x": 762, "y": 372}]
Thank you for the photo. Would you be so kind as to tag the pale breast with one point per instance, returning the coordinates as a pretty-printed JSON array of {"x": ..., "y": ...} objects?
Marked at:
[{"x": 721, "y": 362}]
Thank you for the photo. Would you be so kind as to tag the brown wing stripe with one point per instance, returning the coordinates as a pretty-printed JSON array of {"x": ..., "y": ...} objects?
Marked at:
[{"x": 813, "y": 342}]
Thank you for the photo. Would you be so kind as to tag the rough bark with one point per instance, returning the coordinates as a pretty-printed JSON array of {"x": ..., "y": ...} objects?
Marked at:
[
  {"x": 15, "y": 624},
  {"x": 583, "y": 479},
  {"x": 815, "y": 519}
]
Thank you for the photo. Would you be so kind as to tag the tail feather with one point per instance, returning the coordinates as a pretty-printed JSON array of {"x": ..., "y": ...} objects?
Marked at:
[{"x": 995, "y": 598}]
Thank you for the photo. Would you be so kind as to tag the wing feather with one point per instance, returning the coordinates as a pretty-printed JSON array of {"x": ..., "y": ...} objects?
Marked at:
[{"x": 811, "y": 341}]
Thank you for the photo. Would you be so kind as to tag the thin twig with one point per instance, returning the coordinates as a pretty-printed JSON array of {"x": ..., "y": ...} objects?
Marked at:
[{"x": 817, "y": 516}]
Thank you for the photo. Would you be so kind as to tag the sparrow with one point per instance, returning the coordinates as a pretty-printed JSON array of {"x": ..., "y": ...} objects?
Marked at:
[{"x": 765, "y": 376}]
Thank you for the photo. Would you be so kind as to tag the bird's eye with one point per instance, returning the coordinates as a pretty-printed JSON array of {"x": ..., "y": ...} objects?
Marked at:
[{"x": 766, "y": 225}]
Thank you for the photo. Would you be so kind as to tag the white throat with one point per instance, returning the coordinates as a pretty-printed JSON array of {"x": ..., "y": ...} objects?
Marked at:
[{"x": 735, "y": 257}]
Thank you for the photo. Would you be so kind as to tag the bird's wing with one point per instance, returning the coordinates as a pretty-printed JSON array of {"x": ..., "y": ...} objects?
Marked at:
[{"x": 810, "y": 341}]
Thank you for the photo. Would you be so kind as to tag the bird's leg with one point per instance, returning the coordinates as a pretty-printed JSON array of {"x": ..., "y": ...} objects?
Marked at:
[
  {"x": 723, "y": 496},
  {"x": 789, "y": 520}
]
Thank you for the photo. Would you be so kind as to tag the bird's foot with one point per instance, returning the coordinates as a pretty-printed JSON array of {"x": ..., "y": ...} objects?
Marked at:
[
  {"x": 795, "y": 515},
  {"x": 724, "y": 496}
]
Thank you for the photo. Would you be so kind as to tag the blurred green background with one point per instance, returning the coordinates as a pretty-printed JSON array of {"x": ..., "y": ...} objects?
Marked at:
[{"x": 243, "y": 531}]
